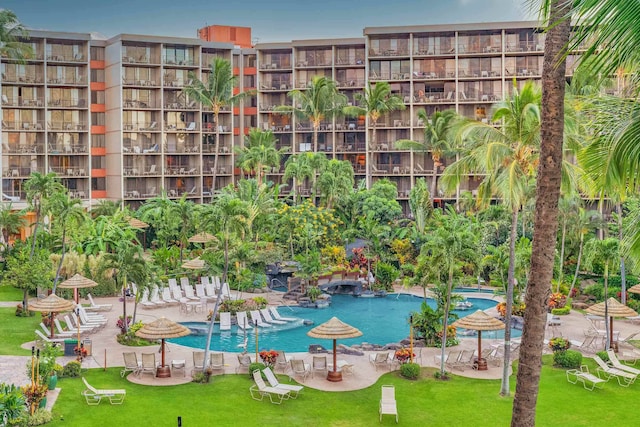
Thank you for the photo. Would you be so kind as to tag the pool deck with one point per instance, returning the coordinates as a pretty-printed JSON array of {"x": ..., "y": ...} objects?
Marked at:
[{"x": 107, "y": 352}]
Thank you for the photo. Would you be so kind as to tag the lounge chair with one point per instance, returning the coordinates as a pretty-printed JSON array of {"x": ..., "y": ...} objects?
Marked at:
[
  {"x": 200, "y": 292},
  {"x": 298, "y": 367},
  {"x": 319, "y": 364},
  {"x": 225, "y": 321},
  {"x": 191, "y": 126},
  {"x": 613, "y": 359},
  {"x": 216, "y": 361},
  {"x": 198, "y": 361},
  {"x": 44, "y": 338},
  {"x": 276, "y": 315},
  {"x": 388, "y": 402},
  {"x": 259, "y": 390},
  {"x": 380, "y": 359},
  {"x": 145, "y": 301},
  {"x": 273, "y": 382},
  {"x": 155, "y": 297},
  {"x": 62, "y": 333},
  {"x": 244, "y": 361},
  {"x": 131, "y": 364},
  {"x": 243, "y": 322},
  {"x": 257, "y": 320},
  {"x": 94, "y": 396},
  {"x": 588, "y": 380},
  {"x": 190, "y": 294},
  {"x": 152, "y": 149},
  {"x": 624, "y": 378},
  {"x": 267, "y": 317},
  {"x": 282, "y": 361},
  {"x": 97, "y": 307},
  {"x": 149, "y": 363},
  {"x": 166, "y": 296},
  {"x": 226, "y": 292}
]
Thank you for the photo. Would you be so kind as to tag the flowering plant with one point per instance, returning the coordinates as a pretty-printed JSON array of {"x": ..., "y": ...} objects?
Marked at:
[
  {"x": 81, "y": 352},
  {"x": 559, "y": 344},
  {"x": 269, "y": 357},
  {"x": 403, "y": 355},
  {"x": 120, "y": 323},
  {"x": 34, "y": 393},
  {"x": 557, "y": 300}
]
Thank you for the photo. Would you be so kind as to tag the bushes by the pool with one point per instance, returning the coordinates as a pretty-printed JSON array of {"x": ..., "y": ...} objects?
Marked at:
[
  {"x": 569, "y": 359},
  {"x": 410, "y": 370},
  {"x": 561, "y": 311}
]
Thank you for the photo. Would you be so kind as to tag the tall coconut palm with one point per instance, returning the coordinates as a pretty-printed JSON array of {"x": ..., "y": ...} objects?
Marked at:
[
  {"x": 12, "y": 32},
  {"x": 567, "y": 209},
  {"x": 105, "y": 208},
  {"x": 556, "y": 15},
  {"x": 10, "y": 223},
  {"x": 374, "y": 102},
  {"x": 39, "y": 188},
  {"x": 420, "y": 204},
  {"x": 584, "y": 222},
  {"x": 215, "y": 93},
  {"x": 319, "y": 101},
  {"x": 259, "y": 153},
  {"x": 67, "y": 213},
  {"x": 335, "y": 179},
  {"x": 183, "y": 210},
  {"x": 297, "y": 168},
  {"x": 438, "y": 140}
]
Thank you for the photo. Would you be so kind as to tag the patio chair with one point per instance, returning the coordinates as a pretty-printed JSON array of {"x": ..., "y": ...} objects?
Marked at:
[
  {"x": 97, "y": 307},
  {"x": 624, "y": 378},
  {"x": 613, "y": 359},
  {"x": 216, "y": 361},
  {"x": 273, "y": 382},
  {"x": 276, "y": 315},
  {"x": 94, "y": 396},
  {"x": 267, "y": 317},
  {"x": 259, "y": 390},
  {"x": 145, "y": 301},
  {"x": 44, "y": 338},
  {"x": 200, "y": 293},
  {"x": 380, "y": 359},
  {"x": 166, "y": 296},
  {"x": 588, "y": 380},
  {"x": 388, "y": 402},
  {"x": 191, "y": 126},
  {"x": 149, "y": 363},
  {"x": 198, "y": 361},
  {"x": 244, "y": 361},
  {"x": 257, "y": 320},
  {"x": 298, "y": 367},
  {"x": 225, "y": 321},
  {"x": 319, "y": 364},
  {"x": 282, "y": 361},
  {"x": 243, "y": 322},
  {"x": 451, "y": 359},
  {"x": 131, "y": 364},
  {"x": 153, "y": 149},
  {"x": 61, "y": 331}
]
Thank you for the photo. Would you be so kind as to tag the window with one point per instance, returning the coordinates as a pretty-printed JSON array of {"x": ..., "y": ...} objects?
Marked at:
[
  {"x": 97, "y": 140},
  {"x": 97, "y": 162},
  {"x": 97, "y": 76},
  {"x": 97, "y": 53},
  {"x": 97, "y": 97},
  {"x": 97, "y": 119},
  {"x": 98, "y": 184}
]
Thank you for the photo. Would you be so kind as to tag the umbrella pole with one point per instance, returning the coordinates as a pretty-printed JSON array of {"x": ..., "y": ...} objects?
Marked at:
[
  {"x": 51, "y": 324},
  {"x": 163, "y": 371},
  {"x": 611, "y": 334},
  {"x": 334, "y": 375}
]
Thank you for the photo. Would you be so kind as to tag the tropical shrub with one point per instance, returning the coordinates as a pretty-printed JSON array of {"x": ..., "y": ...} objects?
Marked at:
[
  {"x": 71, "y": 369},
  {"x": 268, "y": 357},
  {"x": 559, "y": 344},
  {"x": 404, "y": 355},
  {"x": 603, "y": 355},
  {"x": 40, "y": 416},
  {"x": 569, "y": 359},
  {"x": 557, "y": 300},
  {"x": 410, "y": 370},
  {"x": 261, "y": 302},
  {"x": 255, "y": 365},
  {"x": 516, "y": 310},
  {"x": 386, "y": 274},
  {"x": 12, "y": 403},
  {"x": 561, "y": 311},
  {"x": 313, "y": 292}
]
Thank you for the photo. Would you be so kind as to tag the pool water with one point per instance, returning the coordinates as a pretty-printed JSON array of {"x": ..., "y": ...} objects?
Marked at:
[{"x": 381, "y": 320}]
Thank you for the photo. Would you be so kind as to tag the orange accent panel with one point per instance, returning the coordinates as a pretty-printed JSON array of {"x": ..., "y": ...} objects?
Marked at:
[
  {"x": 236, "y": 131},
  {"x": 99, "y": 130},
  {"x": 98, "y": 151},
  {"x": 98, "y": 194},
  {"x": 97, "y": 85},
  {"x": 96, "y": 64},
  {"x": 98, "y": 173},
  {"x": 236, "y": 71},
  {"x": 236, "y": 90},
  {"x": 236, "y": 110},
  {"x": 98, "y": 108},
  {"x": 246, "y": 131},
  {"x": 248, "y": 71},
  {"x": 250, "y": 111}
]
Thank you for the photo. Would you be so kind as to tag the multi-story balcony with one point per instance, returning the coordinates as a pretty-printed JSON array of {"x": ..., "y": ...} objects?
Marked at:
[{"x": 22, "y": 78}]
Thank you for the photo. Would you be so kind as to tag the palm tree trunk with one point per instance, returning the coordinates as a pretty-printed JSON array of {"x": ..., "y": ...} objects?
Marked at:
[
  {"x": 504, "y": 389},
  {"x": 623, "y": 271},
  {"x": 211, "y": 323},
  {"x": 575, "y": 276},
  {"x": 445, "y": 321},
  {"x": 55, "y": 281},
  {"x": 226, "y": 258},
  {"x": 564, "y": 235},
  {"x": 608, "y": 332},
  {"x": 216, "y": 147},
  {"x": 369, "y": 156},
  {"x": 35, "y": 233},
  {"x": 434, "y": 187},
  {"x": 545, "y": 227}
]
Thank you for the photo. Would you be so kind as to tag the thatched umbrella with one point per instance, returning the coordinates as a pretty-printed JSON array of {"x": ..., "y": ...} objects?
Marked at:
[
  {"x": 194, "y": 264},
  {"x": 162, "y": 329},
  {"x": 479, "y": 321},
  {"x": 51, "y": 304},
  {"x": 611, "y": 308},
  {"x": 635, "y": 289},
  {"x": 136, "y": 223},
  {"x": 332, "y": 330},
  {"x": 202, "y": 237},
  {"x": 77, "y": 282}
]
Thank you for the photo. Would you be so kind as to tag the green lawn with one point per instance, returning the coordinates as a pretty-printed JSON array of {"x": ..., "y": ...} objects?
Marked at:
[
  {"x": 15, "y": 331},
  {"x": 458, "y": 402},
  {"x": 9, "y": 293}
]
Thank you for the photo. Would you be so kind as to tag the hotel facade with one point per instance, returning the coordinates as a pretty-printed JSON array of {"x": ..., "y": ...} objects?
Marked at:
[{"x": 110, "y": 117}]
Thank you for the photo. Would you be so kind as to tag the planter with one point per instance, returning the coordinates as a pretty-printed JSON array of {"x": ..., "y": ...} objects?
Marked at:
[
  {"x": 43, "y": 403},
  {"x": 53, "y": 381}
]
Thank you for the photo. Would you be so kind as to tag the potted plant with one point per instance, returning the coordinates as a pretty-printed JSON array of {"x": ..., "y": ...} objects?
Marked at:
[
  {"x": 35, "y": 395},
  {"x": 559, "y": 344},
  {"x": 403, "y": 355},
  {"x": 269, "y": 357}
]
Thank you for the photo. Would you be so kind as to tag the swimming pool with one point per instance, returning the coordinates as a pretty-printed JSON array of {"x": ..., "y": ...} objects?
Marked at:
[{"x": 381, "y": 320}]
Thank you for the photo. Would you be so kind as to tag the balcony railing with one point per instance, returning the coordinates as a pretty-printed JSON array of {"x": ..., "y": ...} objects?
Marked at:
[
  {"x": 72, "y": 171},
  {"x": 23, "y": 149},
  {"x": 350, "y": 83},
  {"x": 189, "y": 127},
  {"x": 22, "y": 78},
  {"x": 135, "y": 103},
  {"x": 175, "y": 61},
  {"x": 21, "y": 102},
  {"x": 78, "y": 80},
  {"x": 78, "y": 57},
  {"x": 67, "y": 103},
  {"x": 139, "y": 82},
  {"x": 69, "y": 126},
  {"x": 55, "y": 148},
  {"x": 22, "y": 125}
]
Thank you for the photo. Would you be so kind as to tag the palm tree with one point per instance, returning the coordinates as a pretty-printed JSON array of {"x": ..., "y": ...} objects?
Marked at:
[
  {"x": 39, "y": 188},
  {"x": 261, "y": 204},
  {"x": 183, "y": 210},
  {"x": 375, "y": 101},
  {"x": 585, "y": 221},
  {"x": 106, "y": 208},
  {"x": 335, "y": 179},
  {"x": 567, "y": 208},
  {"x": 319, "y": 101},
  {"x": 297, "y": 168},
  {"x": 10, "y": 223},
  {"x": 438, "y": 140},
  {"x": 420, "y": 204},
  {"x": 215, "y": 93},
  {"x": 259, "y": 153},
  {"x": 557, "y": 16},
  {"x": 11, "y": 33},
  {"x": 66, "y": 211}
]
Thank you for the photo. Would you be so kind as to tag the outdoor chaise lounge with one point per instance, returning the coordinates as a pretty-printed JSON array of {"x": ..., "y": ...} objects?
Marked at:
[
  {"x": 244, "y": 361},
  {"x": 216, "y": 361},
  {"x": 97, "y": 307},
  {"x": 588, "y": 380},
  {"x": 613, "y": 359},
  {"x": 257, "y": 320},
  {"x": 388, "y": 402},
  {"x": 225, "y": 321},
  {"x": 149, "y": 363},
  {"x": 624, "y": 378},
  {"x": 273, "y": 382},
  {"x": 259, "y": 390},
  {"x": 94, "y": 396},
  {"x": 43, "y": 337},
  {"x": 269, "y": 319},
  {"x": 276, "y": 315},
  {"x": 243, "y": 322}
]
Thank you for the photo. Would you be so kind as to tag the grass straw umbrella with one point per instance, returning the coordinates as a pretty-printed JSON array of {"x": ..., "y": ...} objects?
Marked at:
[
  {"x": 194, "y": 264},
  {"x": 334, "y": 329},
  {"x": 51, "y": 304},
  {"x": 480, "y": 321},
  {"x": 635, "y": 289},
  {"x": 611, "y": 308},
  {"x": 76, "y": 282},
  {"x": 202, "y": 237},
  {"x": 162, "y": 329}
]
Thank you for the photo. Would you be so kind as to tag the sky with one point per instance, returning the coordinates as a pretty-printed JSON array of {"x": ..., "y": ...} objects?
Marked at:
[{"x": 271, "y": 21}]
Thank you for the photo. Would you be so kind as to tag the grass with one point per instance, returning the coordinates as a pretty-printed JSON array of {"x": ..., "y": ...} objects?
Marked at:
[
  {"x": 15, "y": 331},
  {"x": 9, "y": 293},
  {"x": 458, "y": 402}
]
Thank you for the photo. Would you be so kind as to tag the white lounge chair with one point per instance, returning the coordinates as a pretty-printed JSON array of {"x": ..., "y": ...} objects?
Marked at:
[
  {"x": 588, "y": 380},
  {"x": 225, "y": 321},
  {"x": 276, "y": 315},
  {"x": 257, "y": 320},
  {"x": 267, "y": 317},
  {"x": 145, "y": 301},
  {"x": 44, "y": 338},
  {"x": 97, "y": 307},
  {"x": 319, "y": 364},
  {"x": 94, "y": 396},
  {"x": 282, "y": 361},
  {"x": 388, "y": 402},
  {"x": 259, "y": 390},
  {"x": 243, "y": 322},
  {"x": 190, "y": 294},
  {"x": 61, "y": 331},
  {"x": 380, "y": 359},
  {"x": 166, "y": 296},
  {"x": 624, "y": 378},
  {"x": 273, "y": 382},
  {"x": 155, "y": 297},
  {"x": 200, "y": 292},
  {"x": 216, "y": 361},
  {"x": 244, "y": 361},
  {"x": 613, "y": 359}
]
